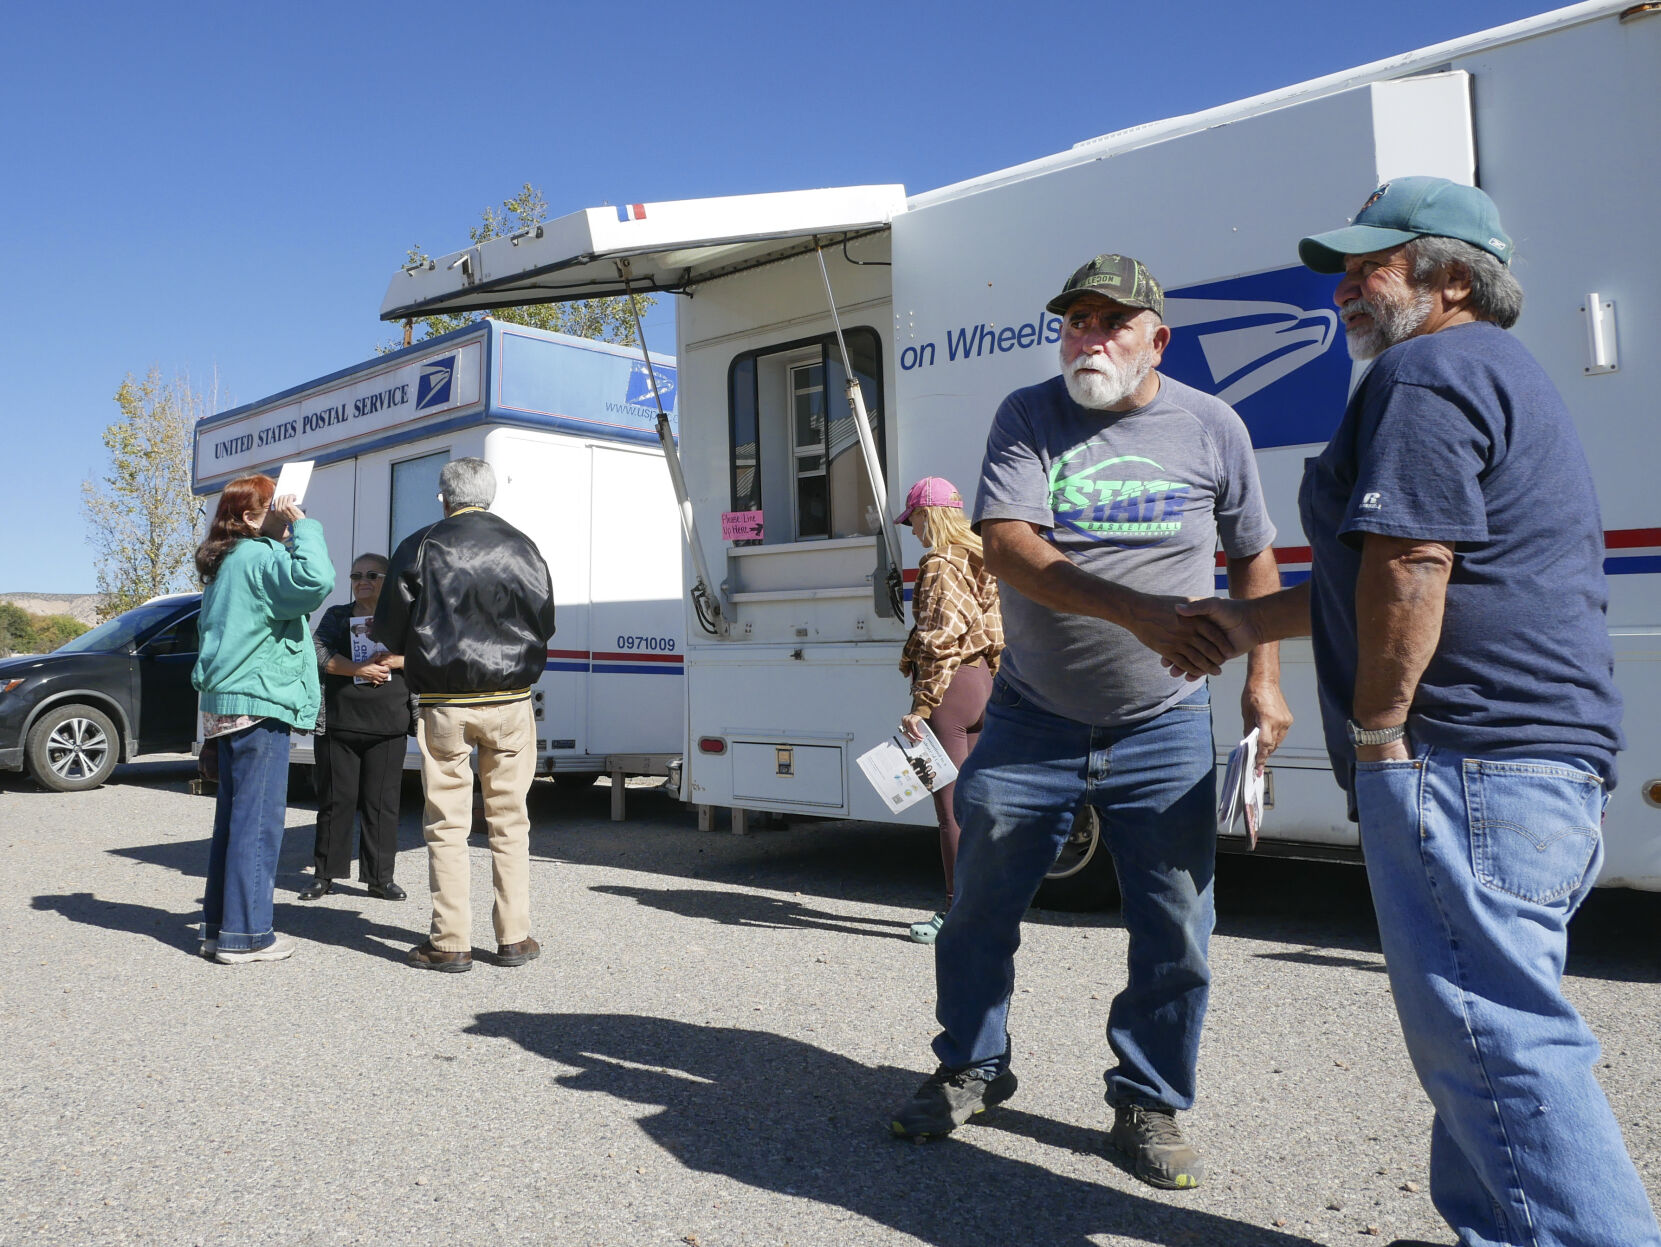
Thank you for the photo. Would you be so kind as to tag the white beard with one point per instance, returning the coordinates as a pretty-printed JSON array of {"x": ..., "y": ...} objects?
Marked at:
[
  {"x": 1393, "y": 321},
  {"x": 1096, "y": 382}
]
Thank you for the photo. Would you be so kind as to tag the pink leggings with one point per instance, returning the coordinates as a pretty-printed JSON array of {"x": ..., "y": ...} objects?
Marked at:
[{"x": 956, "y": 721}]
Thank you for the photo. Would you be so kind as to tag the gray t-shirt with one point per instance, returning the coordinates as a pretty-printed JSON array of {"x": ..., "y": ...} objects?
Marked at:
[{"x": 1140, "y": 498}]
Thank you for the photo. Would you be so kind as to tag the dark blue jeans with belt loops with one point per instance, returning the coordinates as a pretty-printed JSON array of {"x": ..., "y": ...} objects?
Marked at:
[
  {"x": 1153, "y": 785},
  {"x": 247, "y": 837}
]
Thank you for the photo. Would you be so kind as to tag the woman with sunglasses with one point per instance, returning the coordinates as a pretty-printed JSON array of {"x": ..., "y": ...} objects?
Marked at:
[{"x": 367, "y": 713}]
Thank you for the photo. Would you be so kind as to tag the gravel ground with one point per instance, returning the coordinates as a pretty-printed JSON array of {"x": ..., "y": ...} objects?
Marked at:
[{"x": 705, "y": 1054}]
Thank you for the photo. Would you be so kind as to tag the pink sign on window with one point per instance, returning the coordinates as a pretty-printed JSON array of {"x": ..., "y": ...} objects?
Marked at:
[{"x": 740, "y": 525}]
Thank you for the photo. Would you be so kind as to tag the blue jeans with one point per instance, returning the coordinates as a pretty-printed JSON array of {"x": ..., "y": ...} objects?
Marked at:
[
  {"x": 247, "y": 836},
  {"x": 1476, "y": 865},
  {"x": 1153, "y": 785}
]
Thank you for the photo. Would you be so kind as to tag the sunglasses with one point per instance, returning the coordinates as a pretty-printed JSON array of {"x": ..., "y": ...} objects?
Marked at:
[{"x": 366, "y": 575}]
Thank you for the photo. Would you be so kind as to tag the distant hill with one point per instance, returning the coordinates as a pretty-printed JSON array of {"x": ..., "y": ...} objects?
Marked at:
[{"x": 80, "y": 606}]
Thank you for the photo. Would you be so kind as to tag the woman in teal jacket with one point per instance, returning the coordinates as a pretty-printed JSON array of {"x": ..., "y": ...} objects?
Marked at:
[{"x": 257, "y": 675}]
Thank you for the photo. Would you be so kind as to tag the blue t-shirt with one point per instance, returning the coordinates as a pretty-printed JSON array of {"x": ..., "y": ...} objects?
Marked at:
[{"x": 1460, "y": 437}]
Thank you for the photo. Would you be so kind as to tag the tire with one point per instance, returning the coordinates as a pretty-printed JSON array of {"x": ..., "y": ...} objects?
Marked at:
[
  {"x": 72, "y": 748},
  {"x": 1083, "y": 879}
]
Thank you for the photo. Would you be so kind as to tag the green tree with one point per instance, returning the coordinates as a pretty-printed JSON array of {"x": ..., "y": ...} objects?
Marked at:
[
  {"x": 52, "y": 631},
  {"x": 17, "y": 634},
  {"x": 24, "y": 632},
  {"x": 607, "y": 320},
  {"x": 141, "y": 515}
]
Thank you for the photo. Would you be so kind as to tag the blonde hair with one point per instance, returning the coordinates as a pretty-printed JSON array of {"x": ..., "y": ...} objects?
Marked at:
[{"x": 948, "y": 526}]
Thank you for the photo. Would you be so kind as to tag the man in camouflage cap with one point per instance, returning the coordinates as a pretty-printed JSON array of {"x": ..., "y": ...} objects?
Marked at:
[{"x": 1103, "y": 497}]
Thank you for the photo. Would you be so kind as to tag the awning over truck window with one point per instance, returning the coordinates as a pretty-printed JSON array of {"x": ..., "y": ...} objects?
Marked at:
[{"x": 670, "y": 246}]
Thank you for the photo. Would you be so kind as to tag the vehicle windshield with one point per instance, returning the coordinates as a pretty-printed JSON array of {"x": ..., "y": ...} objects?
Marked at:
[{"x": 120, "y": 632}]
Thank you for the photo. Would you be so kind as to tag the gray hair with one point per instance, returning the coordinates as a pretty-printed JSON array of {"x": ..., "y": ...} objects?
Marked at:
[
  {"x": 1496, "y": 294},
  {"x": 467, "y": 483},
  {"x": 375, "y": 560}
]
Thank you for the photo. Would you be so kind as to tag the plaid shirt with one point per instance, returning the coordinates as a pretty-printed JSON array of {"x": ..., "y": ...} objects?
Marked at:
[{"x": 955, "y": 605}]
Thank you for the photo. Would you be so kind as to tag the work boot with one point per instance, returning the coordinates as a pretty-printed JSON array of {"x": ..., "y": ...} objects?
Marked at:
[
  {"x": 949, "y": 1099},
  {"x": 1153, "y": 1143}
]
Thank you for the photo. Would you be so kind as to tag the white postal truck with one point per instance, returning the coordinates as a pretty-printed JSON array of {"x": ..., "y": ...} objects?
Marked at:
[
  {"x": 935, "y": 302},
  {"x": 568, "y": 426}
]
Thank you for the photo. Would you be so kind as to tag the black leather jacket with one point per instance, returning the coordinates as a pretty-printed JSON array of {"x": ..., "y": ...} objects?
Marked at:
[{"x": 469, "y": 604}]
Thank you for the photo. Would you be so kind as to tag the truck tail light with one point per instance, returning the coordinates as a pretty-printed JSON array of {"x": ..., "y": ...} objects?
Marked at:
[{"x": 711, "y": 744}]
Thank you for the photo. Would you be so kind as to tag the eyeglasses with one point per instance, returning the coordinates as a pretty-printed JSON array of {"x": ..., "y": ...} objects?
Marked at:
[{"x": 366, "y": 575}]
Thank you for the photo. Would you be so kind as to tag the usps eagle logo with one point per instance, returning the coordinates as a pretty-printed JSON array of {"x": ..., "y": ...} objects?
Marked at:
[
  {"x": 437, "y": 379},
  {"x": 1374, "y": 198}
]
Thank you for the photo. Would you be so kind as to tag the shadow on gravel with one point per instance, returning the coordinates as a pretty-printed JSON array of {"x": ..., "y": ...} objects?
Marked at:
[
  {"x": 174, "y": 930},
  {"x": 323, "y": 922},
  {"x": 781, "y": 1115},
  {"x": 340, "y": 927},
  {"x": 745, "y": 909}
]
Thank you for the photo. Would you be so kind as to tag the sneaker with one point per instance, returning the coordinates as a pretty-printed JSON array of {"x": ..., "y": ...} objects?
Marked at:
[
  {"x": 947, "y": 1100},
  {"x": 207, "y": 948},
  {"x": 924, "y": 932},
  {"x": 1154, "y": 1144},
  {"x": 279, "y": 949}
]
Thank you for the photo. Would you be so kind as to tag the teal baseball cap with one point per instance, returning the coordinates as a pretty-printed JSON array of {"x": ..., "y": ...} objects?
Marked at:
[{"x": 1403, "y": 209}]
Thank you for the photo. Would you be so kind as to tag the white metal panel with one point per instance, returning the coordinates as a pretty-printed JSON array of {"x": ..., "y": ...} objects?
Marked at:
[
  {"x": 668, "y": 246},
  {"x": 637, "y": 692},
  {"x": 330, "y": 499},
  {"x": 543, "y": 489},
  {"x": 784, "y": 774},
  {"x": 1422, "y": 127}
]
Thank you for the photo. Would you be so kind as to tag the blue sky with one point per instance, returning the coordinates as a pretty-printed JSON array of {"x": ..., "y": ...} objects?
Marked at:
[{"x": 226, "y": 188}]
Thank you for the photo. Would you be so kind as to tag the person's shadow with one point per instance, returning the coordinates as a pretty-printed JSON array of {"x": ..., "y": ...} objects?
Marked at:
[
  {"x": 782, "y": 1115},
  {"x": 342, "y": 927},
  {"x": 745, "y": 909}
]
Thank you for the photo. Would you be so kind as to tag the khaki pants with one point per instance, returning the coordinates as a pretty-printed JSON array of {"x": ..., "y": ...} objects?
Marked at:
[{"x": 505, "y": 737}]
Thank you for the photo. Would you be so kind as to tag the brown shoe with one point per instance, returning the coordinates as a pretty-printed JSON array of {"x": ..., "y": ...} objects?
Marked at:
[
  {"x": 425, "y": 956},
  {"x": 518, "y": 954}
]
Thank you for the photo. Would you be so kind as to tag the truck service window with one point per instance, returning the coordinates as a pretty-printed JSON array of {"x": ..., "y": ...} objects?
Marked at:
[
  {"x": 415, "y": 496},
  {"x": 795, "y": 452}
]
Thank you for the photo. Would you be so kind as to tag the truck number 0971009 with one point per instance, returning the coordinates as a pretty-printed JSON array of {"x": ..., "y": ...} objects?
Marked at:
[{"x": 657, "y": 644}]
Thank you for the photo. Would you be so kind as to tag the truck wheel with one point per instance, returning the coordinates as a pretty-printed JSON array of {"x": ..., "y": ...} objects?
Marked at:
[
  {"x": 72, "y": 748},
  {"x": 1083, "y": 878}
]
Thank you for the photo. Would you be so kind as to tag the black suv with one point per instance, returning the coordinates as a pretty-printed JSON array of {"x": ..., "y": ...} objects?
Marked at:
[{"x": 110, "y": 694}]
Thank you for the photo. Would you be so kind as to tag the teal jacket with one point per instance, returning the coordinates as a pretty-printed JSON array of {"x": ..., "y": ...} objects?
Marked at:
[{"x": 257, "y": 656}]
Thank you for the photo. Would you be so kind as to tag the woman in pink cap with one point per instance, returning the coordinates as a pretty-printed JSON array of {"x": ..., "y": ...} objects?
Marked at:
[{"x": 952, "y": 652}]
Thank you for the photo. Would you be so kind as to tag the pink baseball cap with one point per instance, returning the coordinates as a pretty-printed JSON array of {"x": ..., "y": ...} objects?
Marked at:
[{"x": 931, "y": 491}]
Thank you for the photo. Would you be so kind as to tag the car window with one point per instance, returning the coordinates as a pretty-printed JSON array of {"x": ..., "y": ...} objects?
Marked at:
[
  {"x": 179, "y": 639},
  {"x": 120, "y": 632}
]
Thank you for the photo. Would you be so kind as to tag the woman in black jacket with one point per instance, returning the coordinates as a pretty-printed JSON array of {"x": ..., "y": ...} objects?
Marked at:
[{"x": 367, "y": 712}]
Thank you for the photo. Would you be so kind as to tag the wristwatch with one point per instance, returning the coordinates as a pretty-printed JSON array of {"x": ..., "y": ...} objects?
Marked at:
[{"x": 1375, "y": 735}]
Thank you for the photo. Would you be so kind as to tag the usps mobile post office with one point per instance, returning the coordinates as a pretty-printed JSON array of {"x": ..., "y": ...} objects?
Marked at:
[
  {"x": 569, "y": 426},
  {"x": 934, "y": 304}
]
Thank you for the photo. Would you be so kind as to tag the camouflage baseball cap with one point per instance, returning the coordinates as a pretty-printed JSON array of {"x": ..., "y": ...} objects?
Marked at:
[{"x": 1116, "y": 277}]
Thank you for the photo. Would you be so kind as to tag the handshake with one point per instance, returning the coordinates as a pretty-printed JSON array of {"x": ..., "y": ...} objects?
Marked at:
[{"x": 1194, "y": 639}]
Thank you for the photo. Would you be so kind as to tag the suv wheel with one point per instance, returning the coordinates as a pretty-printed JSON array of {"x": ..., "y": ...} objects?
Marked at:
[
  {"x": 1083, "y": 878},
  {"x": 72, "y": 748}
]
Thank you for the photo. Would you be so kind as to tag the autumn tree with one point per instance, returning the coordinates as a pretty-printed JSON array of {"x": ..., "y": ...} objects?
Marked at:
[
  {"x": 607, "y": 320},
  {"x": 141, "y": 515}
]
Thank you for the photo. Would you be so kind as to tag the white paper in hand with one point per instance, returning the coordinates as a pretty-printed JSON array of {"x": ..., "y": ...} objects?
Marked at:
[
  {"x": 904, "y": 771},
  {"x": 1241, "y": 797},
  {"x": 294, "y": 479},
  {"x": 364, "y": 648}
]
